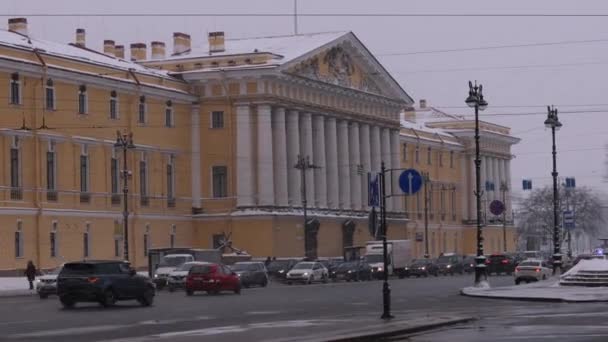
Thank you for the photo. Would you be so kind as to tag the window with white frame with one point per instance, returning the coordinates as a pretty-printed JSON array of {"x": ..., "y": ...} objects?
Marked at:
[
  {"x": 169, "y": 119},
  {"x": 15, "y": 162},
  {"x": 217, "y": 119},
  {"x": 19, "y": 240},
  {"x": 53, "y": 239},
  {"x": 113, "y": 105},
  {"x": 82, "y": 100},
  {"x": 404, "y": 152},
  {"x": 417, "y": 154},
  {"x": 50, "y": 95},
  {"x": 429, "y": 156},
  {"x": 86, "y": 240},
  {"x": 84, "y": 169},
  {"x": 143, "y": 178},
  {"x": 220, "y": 181},
  {"x": 15, "y": 89},
  {"x": 453, "y": 204},
  {"x": 171, "y": 179},
  {"x": 114, "y": 173},
  {"x": 146, "y": 239},
  {"x": 51, "y": 167},
  {"x": 173, "y": 233},
  {"x": 117, "y": 248},
  {"x": 141, "y": 110},
  {"x": 442, "y": 203},
  {"x": 440, "y": 158}
]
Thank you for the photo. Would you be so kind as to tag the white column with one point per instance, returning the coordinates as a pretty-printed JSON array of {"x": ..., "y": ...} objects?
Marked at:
[
  {"x": 375, "y": 148},
  {"x": 279, "y": 145},
  {"x": 264, "y": 160},
  {"x": 244, "y": 156},
  {"x": 293, "y": 150},
  {"x": 508, "y": 181},
  {"x": 195, "y": 117},
  {"x": 386, "y": 158},
  {"x": 344, "y": 165},
  {"x": 365, "y": 161},
  {"x": 355, "y": 161},
  {"x": 318, "y": 135},
  {"x": 396, "y": 164},
  {"x": 331, "y": 145},
  {"x": 307, "y": 151}
]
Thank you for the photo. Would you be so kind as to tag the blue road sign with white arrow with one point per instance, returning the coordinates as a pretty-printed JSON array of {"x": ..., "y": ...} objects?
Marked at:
[
  {"x": 568, "y": 220},
  {"x": 410, "y": 181}
]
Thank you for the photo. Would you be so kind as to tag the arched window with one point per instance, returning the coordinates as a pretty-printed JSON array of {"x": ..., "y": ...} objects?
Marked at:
[
  {"x": 50, "y": 95},
  {"x": 113, "y": 105}
]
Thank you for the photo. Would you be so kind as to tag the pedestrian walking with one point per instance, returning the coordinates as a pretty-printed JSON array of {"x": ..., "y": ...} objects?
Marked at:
[
  {"x": 268, "y": 260},
  {"x": 30, "y": 273}
]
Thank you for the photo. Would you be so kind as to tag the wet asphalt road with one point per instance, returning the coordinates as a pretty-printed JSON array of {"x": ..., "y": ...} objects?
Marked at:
[{"x": 280, "y": 312}]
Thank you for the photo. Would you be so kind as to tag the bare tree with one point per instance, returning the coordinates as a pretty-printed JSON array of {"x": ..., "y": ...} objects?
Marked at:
[{"x": 536, "y": 218}]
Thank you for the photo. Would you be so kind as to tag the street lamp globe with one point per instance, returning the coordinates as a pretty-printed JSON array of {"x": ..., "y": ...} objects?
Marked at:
[
  {"x": 483, "y": 104},
  {"x": 471, "y": 101}
]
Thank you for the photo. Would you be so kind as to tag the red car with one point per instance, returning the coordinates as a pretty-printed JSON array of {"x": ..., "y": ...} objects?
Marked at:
[{"x": 212, "y": 278}]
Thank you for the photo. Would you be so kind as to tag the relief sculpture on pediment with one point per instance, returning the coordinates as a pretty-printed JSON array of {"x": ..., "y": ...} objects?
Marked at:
[{"x": 340, "y": 67}]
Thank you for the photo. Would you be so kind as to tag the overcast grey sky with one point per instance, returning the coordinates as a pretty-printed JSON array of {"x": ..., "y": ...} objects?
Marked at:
[{"x": 571, "y": 76}]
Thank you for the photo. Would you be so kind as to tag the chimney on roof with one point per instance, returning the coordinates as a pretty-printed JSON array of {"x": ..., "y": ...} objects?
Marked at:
[
  {"x": 80, "y": 37},
  {"x": 109, "y": 48},
  {"x": 158, "y": 50},
  {"x": 216, "y": 42},
  {"x": 422, "y": 104},
  {"x": 18, "y": 25},
  {"x": 119, "y": 51},
  {"x": 138, "y": 51},
  {"x": 181, "y": 43}
]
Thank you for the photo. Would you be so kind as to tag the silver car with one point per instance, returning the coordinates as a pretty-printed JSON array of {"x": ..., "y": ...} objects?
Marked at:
[{"x": 177, "y": 278}]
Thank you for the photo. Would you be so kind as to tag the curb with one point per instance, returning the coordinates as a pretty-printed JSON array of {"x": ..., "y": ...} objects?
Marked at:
[
  {"x": 17, "y": 293},
  {"x": 534, "y": 299},
  {"x": 383, "y": 332}
]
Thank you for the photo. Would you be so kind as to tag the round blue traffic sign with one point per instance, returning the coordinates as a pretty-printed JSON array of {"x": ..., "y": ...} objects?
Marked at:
[
  {"x": 497, "y": 207},
  {"x": 410, "y": 181}
]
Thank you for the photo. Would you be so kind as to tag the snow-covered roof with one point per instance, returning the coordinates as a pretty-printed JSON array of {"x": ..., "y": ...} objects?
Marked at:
[
  {"x": 285, "y": 47},
  {"x": 12, "y": 39}
]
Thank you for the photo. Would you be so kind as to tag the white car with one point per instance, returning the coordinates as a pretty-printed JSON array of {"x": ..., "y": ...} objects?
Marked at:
[
  {"x": 46, "y": 284},
  {"x": 307, "y": 272},
  {"x": 177, "y": 277},
  {"x": 531, "y": 270}
]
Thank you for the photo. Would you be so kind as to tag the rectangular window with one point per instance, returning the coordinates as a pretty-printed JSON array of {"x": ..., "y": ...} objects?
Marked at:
[
  {"x": 113, "y": 108},
  {"x": 146, "y": 244},
  {"x": 143, "y": 182},
  {"x": 417, "y": 154},
  {"x": 440, "y": 159},
  {"x": 19, "y": 241},
  {"x": 15, "y": 181},
  {"x": 451, "y": 159},
  {"x": 85, "y": 244},
  {"x": 50, "y": 98},
  {"x": 429, "y": 155},
  {"x": 15, "y": 89},
  {"x": 220, "y": 178},
  {"x": 171, "y": 181},
  {"x": 84, "y": 173},
  {"x": 453, "y": 205},
  {"x": 430, "y": 202},
  {"x": 115, "y": 175},
  {"x": 418, "y": 205},
  {"x": 141, "y": 110},
  {"x": 82, "y": 100},
  {"x": 217, "y": 119},
  {"x": 50, "y": 170},
  {"x": 168, "y": 117},
  {"x": 53, "y": 242},
  {"x": 173, "y": 233},
  {"x": 442, "y": 204},
  {"x": 404, "y": 152},
  {"x": 117, "y": 247}
]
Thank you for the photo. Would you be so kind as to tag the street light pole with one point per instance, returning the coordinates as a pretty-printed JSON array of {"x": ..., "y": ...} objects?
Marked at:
[
  {"x": 386, "y": 290},
  {"x": 303, "y": 165},
  {"x": 504, "y": 188},
  {"x": 426, "y": 179},
  {"x": 553, "y": 123},
  {"x": 476, "y": 100},
  {"x": 125, "y": 141}
]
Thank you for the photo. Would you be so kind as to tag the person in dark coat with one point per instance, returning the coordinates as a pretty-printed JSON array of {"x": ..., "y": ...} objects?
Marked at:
[
  {"x": 30, "y": 273},
  {"x": 268, "y": 261}
]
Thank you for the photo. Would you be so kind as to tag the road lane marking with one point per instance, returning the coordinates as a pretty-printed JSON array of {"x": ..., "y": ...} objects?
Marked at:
[{"x": 263, "y": 312}]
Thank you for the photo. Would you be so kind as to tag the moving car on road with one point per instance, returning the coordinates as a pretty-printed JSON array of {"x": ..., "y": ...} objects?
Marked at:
[
  {"x": 531, "y": 270},
  {"x": 168, "y": 264},
  {"x": 468, "y": 264},
  {"x": 352, "y": 271},
  {"x": 499, "y": 263},
  {"x": 47, "y": 284},
  {"x": 307, "y": 272},
  {"x": 251, "y": 273},
  {"x": 104, "y": 282},
  {"x": 213, "y": 279},
  {"x": 177, "y": 278},
  {"x": 278, "y": 268},
  {"x": 423, "y": 267},
  {"x": 450, "y": 263}
]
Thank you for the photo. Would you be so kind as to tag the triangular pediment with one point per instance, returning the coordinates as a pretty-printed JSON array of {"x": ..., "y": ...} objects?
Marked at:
[{"x": 346, "y": 62}]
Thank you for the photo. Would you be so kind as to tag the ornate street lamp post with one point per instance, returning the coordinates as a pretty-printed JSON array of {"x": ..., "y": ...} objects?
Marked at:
[
  {"x": 125, "y": 141},
  {"x": 553, "y": 123},
  {"x": 475, "y": 100}
]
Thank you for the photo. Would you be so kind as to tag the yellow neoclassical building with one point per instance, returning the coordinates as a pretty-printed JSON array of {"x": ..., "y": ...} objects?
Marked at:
[{"x": 218, "y": 131}]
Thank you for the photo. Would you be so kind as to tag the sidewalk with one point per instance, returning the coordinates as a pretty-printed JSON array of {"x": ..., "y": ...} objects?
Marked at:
[
  {"x": 548, "y": 290},
  {"x": 15, "y": 286}
]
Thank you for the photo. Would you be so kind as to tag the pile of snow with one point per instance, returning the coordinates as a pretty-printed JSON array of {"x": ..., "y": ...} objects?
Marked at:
[
  {"x": 588, "y": 265},
  {"x": 12, "y": 286}
]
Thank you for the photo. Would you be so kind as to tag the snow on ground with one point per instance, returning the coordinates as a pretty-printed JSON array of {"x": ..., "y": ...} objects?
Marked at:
[
  {"x": 588, "y": 265},
  {"x": 13, "y": 286}
]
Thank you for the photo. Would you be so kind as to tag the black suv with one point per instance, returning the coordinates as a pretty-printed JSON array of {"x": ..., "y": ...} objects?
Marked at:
[
  {"x": 104, "y": 282},
  {"x": 251, "y": 273}
]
